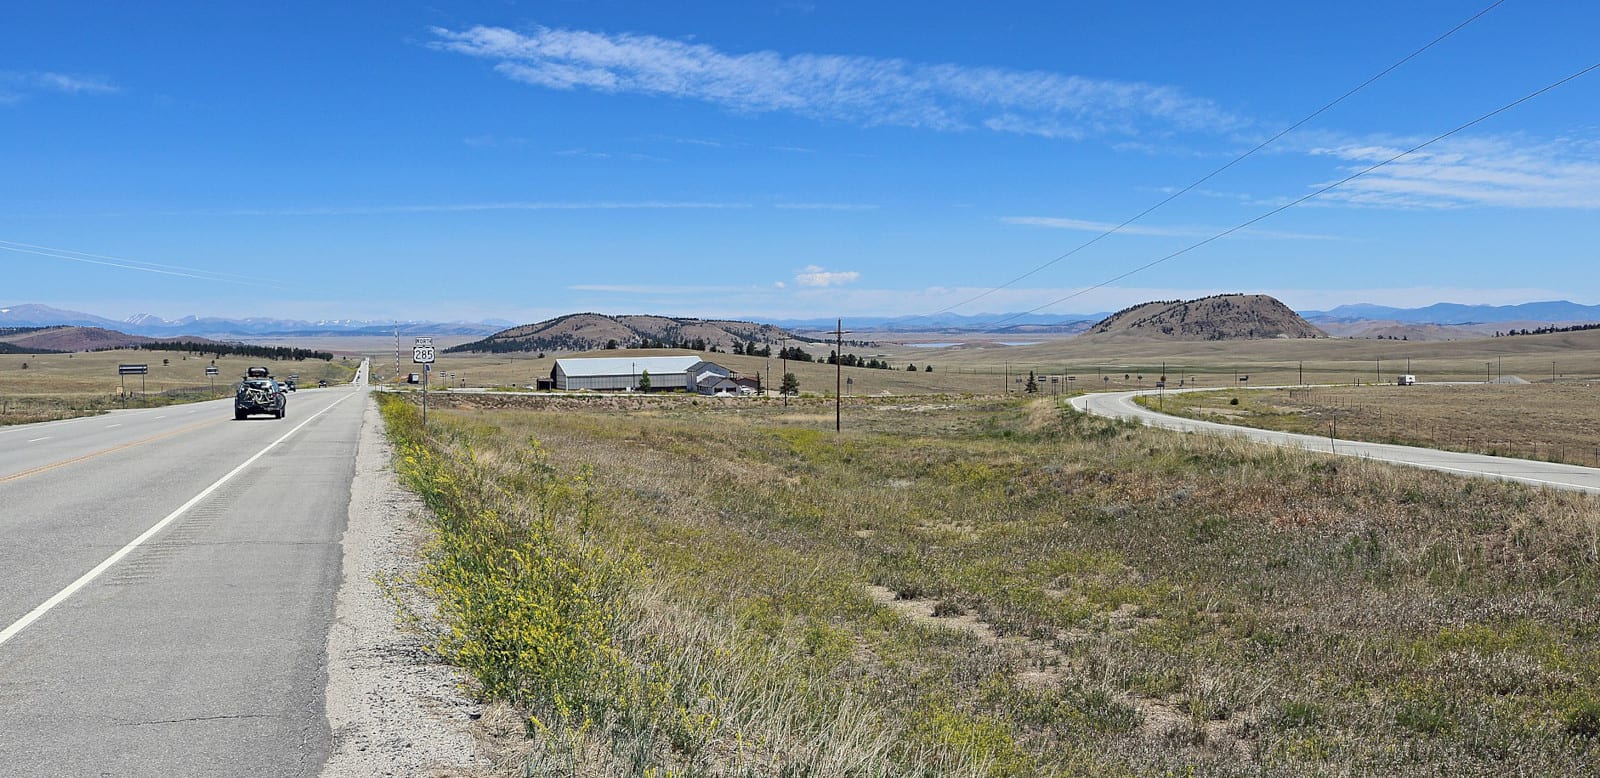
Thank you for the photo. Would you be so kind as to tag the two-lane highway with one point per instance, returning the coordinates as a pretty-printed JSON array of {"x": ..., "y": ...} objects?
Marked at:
[{"x": 167, "y": 579}]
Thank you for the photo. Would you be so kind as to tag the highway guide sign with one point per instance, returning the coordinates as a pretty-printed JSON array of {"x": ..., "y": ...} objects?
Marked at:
[
  {"x": 422, "y": 352},
  {"x": 133, "y": 369}
]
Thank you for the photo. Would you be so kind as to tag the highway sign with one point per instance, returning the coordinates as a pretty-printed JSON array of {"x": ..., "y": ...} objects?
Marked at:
[
  {"x": 422, "y": 353},
  {"x": 132, "y": 369},
  {"x": 212, "y": 370}
]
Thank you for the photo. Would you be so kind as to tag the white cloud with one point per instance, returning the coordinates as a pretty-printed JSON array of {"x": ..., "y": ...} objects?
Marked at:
[
  {"x": 814, "y": 275},
  {"x": 14, "y": 85},
  {"x": 657, "y": 289},
  {"x": 825, "y": 206},
  {"x": 1085, "y": 225},
  {"x": 379, "y": 210},
  {"x": 1505, "y": 172},
  {"x": 862, "y": 90},
  {"x": 61, "y": 82}
]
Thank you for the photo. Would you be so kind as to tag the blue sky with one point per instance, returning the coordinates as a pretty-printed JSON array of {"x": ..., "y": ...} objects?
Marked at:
[{"x": 785, "y": 159}]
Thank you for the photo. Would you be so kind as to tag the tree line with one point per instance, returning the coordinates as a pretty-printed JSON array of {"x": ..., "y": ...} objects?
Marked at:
[
  {"x": 1548, "y": 330},
  {"x": 238, "y": 349}
]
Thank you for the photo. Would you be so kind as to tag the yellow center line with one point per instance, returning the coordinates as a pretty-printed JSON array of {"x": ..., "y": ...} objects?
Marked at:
[{"x": 103, "y": 452}]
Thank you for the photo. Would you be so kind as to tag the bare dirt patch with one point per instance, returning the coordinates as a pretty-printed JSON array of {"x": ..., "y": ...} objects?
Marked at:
[{"x": 394, "y": 708}]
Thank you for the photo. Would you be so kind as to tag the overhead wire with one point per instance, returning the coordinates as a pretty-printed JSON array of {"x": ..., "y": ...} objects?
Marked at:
[
  {"x": 1236, "y": 160},
  {"x": 134, "y": 264},
  {"x": 1310, "y": 196}
]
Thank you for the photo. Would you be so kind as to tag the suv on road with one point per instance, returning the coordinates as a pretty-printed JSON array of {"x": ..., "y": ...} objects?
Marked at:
[{"x": 259, "y": 395}]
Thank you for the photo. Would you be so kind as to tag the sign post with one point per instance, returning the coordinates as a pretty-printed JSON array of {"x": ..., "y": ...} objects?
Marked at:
[
  {"x": 422, "y": 354},
  {"x": 123, "y": 371}
]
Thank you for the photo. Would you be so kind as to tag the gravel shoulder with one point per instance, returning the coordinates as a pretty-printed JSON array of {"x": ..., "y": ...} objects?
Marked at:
[{"x": 394, "y": 710}]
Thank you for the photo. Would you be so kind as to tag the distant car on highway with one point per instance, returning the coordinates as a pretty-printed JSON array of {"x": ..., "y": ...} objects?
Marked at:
[
  {"x": 259, "y": 395},
  {"x": 288, "y": 384},
  {"x": 322, "y": 383}
]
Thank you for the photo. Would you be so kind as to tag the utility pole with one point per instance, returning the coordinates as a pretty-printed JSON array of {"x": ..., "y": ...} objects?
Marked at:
[
  {"x": 838, "y": 375},
  {"x": 397, "y": 350},
  {"x": 1380, "y": 370},
  {"x": 1302, "y": 374},
  {"x": 784, "y": 354}
]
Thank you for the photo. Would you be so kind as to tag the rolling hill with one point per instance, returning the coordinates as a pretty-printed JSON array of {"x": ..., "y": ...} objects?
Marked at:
[
  {"x": 1220, "y": 317},
  {"x": 43, "y": 340},
  {"x": 592, "y": 331}
]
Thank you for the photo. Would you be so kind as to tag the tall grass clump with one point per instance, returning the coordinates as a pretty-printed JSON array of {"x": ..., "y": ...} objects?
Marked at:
[
  {"x": 612, "y": 676},
  {"x": 975, "y": 586}
]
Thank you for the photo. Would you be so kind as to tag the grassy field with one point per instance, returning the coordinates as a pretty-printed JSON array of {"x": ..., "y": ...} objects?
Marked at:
[
  {"x": 55, "y": 386},
  {"x": 1554, "y": 422},
  {"x": 1093, "y": 364},
  {"x": 989, "y": 587}
]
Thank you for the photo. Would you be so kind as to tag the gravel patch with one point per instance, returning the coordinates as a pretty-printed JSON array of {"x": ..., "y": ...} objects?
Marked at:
[{"x": 394, "y": 709}]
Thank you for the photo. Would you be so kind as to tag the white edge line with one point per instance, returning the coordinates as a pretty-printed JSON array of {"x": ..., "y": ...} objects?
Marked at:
[{"x": 83, "y": 580}]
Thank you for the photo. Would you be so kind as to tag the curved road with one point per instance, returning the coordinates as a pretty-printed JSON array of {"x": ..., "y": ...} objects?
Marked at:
[
  {"x": 167, "y": 581},
  {"x": 1120, "y": 405}
]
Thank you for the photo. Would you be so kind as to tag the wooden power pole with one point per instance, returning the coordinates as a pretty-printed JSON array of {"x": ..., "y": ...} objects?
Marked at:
[{"x": 838, "y": 375}]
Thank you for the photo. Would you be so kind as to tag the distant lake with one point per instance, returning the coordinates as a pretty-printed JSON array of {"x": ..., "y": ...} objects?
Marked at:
[
  {"x": 1018, "y": 342},
  {"x": 932, "y": 345}
]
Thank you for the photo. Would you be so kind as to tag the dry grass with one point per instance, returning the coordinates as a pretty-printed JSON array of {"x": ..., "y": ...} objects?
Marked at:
[
  {"x": 1555, "y": 422},
  {"x": 986, "y": 368},
  {"x": 55, "y": 386},
  {"x": 1017, "y": 590}
]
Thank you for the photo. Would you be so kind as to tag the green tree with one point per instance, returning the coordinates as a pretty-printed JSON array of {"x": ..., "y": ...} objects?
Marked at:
[
  {"x": 928, "y": 369},
  {"x": 791, "y": 384},
  {"x": 611, "y": 345},
  {"x": 644, "y": 381},
  {"x": 1033, "y": 384}
]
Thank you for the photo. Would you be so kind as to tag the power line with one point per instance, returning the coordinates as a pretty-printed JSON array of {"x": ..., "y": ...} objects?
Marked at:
[
  {"x": 1317, "y": 193},
  {"x": 1218, "y": 171},
  {"x": 134, "y": 264}
]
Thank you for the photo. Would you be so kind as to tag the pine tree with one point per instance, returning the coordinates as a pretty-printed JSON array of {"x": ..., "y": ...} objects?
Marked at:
[
  {"x": 1032, "y": 386},
  {"x": 791, "y": 384}
]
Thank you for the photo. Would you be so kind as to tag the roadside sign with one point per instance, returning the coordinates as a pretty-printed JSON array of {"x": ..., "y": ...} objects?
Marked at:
[
  {"x": 212, "y": 370},
  {"x": 132, "y": 369},
  {"x": 422, "y": 352}
]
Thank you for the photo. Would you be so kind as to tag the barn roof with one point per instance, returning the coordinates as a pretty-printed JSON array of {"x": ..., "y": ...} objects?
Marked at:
[{"x": 603, "y": 366}]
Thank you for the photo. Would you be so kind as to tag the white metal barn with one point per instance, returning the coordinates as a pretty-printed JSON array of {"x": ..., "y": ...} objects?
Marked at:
[{"x": 622, "y": 373}]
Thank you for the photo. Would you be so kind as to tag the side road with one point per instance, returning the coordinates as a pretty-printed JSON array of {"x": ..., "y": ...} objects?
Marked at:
[{"x": 1120, "y": 405}]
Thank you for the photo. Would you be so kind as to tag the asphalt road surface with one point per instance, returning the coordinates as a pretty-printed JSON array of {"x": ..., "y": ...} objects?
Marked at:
[
  {"x": 167, "y": 579},
  {"x": 1550, "y": 474}
]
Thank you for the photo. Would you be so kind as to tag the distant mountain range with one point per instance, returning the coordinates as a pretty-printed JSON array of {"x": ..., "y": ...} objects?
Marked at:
[
  {"x": 1456, "y": 313},
  {"x": 1456, "y": 320},
  {"x": 156, "y": 327}
]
